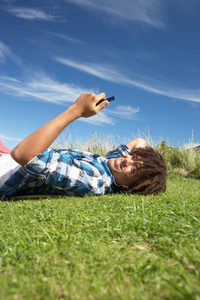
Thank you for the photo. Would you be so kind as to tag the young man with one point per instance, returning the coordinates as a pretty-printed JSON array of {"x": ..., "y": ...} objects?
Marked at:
[
  {"x": 7, "y": 164},
  {"x": 130, "y": 168}
]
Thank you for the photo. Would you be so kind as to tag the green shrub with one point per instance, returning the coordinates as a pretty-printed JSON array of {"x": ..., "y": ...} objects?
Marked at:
[{"x": 179, "y": 160}]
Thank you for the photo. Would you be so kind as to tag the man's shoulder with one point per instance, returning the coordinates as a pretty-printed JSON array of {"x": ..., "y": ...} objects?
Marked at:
[{"x": 121, "y": 150}]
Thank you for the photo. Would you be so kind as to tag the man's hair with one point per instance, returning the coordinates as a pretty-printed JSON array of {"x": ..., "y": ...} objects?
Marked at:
[{"x": 153, "y": 172}]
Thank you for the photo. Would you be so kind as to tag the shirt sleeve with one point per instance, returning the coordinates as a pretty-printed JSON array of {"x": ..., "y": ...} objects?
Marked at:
[
  {"x": 121, "y": 150},
  {"x": 64, "y": 172},
  {"x": 52, "y": 166}
]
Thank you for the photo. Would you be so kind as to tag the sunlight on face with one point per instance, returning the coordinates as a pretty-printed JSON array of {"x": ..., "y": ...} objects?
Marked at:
[{"x": 124, "y": 169}]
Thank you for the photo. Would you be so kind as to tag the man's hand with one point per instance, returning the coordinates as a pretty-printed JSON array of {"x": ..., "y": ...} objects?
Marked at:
[
  {"x": 136, "y": 143},
  {"x": 86, "y": 105}
]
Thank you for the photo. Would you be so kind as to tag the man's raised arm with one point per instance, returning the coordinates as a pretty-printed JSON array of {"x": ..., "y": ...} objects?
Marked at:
[
  {"x": 85, "y": 106},
  {"x": 136, "y": 143}
]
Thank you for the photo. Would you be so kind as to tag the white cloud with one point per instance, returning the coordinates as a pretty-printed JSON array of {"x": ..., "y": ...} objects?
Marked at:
[
  {"x": 67, "y": 38},
  {"x": 45, "y": 89},
  {"x": 99, "y": 119},
  {"x": 8, "y": 1},
  {"x": 190, "y": 146},
  {"x": 42, "y": 88},
  {"x": 110, "y": 73},
  {"x": 124, "y": 111},
  {"x": 30, "y": 13},
  {"x": 142, "y": 11},
  {"x": 6, "y": 53},
  {"x": 8, "y": 138}
]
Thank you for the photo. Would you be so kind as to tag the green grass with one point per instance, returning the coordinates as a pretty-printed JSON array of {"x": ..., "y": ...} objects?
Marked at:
[{"x": 103, "y": 247}]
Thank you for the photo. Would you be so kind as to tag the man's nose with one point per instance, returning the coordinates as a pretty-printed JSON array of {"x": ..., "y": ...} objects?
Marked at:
[{"x": 128, "y": 161}]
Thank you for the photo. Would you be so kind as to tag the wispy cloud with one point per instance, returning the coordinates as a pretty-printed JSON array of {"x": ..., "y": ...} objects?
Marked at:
[
  {"x": 190, "y": 145},
  {"x": 100, "y": 119},
  {"x": 45, "y": 89},
  {"x": 6, "y": 53},
  {"x": 30, "y": 13},
  {"x": 122, "y": 111},
  {"x": 110, "y": 73},
  {"x": 141, "y": 11},
  {"x": 66, "y": 38},
  {"x": 42, "y": 88},
  {"x": 9, "y": 138},
  {"x": 125, "y": 112},
  {"x": 8, "y": 1}
]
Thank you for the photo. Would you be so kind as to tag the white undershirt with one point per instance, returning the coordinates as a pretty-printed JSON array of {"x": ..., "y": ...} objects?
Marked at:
[{"x": 7, "y": 167}]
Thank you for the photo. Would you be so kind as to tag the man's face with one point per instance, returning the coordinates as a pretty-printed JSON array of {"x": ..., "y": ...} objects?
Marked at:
[{"x": 124, "y": 169}]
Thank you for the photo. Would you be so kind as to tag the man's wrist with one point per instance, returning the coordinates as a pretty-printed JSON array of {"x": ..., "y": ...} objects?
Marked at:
[{"x": 74, "y": 112}]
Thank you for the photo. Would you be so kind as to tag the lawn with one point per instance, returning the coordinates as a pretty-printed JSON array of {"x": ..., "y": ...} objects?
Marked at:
[{"x": 103, "y": 247}]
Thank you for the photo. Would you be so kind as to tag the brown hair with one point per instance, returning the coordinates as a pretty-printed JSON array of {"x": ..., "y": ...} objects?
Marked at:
[{"x": 153, "y": 172}]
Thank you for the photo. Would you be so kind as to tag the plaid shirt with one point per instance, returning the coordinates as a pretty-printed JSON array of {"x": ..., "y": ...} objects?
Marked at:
[{"x": 64, "y": 172}]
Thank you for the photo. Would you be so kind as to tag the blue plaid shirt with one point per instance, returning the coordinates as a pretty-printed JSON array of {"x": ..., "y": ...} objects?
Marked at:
[{"x": 64, "y": 172}]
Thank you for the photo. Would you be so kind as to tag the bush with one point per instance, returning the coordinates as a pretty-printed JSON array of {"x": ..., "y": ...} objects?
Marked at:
[{"x": 179, "y": 160}]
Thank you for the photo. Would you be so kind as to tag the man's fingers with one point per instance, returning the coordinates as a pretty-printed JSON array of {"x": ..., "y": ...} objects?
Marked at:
[
  {"x": 102, "y": 105},
  {"x": 101, "y": 96}
]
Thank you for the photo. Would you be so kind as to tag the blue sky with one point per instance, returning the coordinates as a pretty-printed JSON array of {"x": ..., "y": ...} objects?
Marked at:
[{"x": 145, "y": 53}]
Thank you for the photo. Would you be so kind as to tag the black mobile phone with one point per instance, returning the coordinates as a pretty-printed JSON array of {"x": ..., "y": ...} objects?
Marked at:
[{"x": 108, "y": 99}]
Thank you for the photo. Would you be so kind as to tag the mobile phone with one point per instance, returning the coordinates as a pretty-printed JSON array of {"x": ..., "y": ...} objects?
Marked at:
[{"x": 108, "y": 99}]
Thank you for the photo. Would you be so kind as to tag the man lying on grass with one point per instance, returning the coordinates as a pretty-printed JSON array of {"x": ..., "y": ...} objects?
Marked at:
[{"x": 131, "y": 168}]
